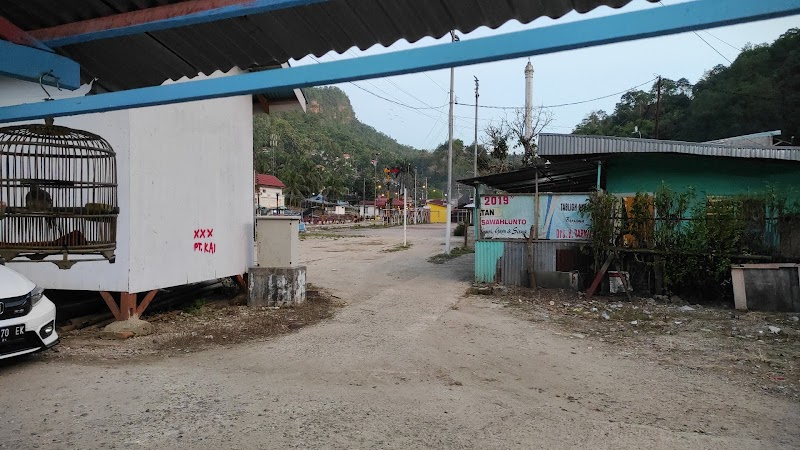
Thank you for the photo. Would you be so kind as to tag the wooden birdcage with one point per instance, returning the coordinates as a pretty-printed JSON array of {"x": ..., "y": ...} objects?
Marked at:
[{"x": 58, "y": 194}]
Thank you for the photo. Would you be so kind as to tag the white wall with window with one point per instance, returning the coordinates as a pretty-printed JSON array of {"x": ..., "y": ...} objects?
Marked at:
[{"x": 270, "y": 197}]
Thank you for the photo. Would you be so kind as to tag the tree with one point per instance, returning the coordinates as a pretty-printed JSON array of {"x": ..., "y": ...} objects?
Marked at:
[
  {"x": 514, "y": 129},
  {"x": 759, "y": 91},
  {"x": 540, "y": 119}
]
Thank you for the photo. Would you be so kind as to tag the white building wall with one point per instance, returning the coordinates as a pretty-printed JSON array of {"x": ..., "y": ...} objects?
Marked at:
[
  {"x": 181, "y": 168},
  {"x": 270, "y": 197},
  {"x": 190, "y": 170},
  {"x": 366, "y": 210}
]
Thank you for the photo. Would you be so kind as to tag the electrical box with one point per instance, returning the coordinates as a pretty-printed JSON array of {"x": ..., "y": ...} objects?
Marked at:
[{"x": 277, "y": 241}]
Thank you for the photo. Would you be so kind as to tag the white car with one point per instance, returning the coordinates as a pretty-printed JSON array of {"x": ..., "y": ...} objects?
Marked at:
[{"x": 27, "y": 317}]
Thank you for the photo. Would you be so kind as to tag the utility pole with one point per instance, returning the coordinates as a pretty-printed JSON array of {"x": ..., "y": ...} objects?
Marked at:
[
  {"x": 453, "y": 38},
  {"x": 658, "y": 104},
  {"x": 416, "y": 206},
  {"x": 405, "y": 218},
  {"x": 475, "y": 163},
  {"x": 375, "y": 177},
  {"x": 375, "y": 185}
]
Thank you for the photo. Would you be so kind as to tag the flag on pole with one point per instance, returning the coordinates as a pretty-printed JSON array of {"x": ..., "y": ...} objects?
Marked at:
[{"x": 374, "y": 162}]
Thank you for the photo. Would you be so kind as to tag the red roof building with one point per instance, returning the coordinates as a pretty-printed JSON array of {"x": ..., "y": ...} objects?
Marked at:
[{"x": 269, "y": 181}]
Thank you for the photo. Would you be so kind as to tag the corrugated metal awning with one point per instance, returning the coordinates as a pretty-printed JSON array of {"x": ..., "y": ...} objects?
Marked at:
[
  {"x": 261, "y": 40},
  {"x": 577, "y": 175},
  {"x": 574, "y": 144}
]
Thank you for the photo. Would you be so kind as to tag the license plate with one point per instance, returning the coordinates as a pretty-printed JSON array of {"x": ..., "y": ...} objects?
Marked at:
[{"x": 11, "y": 333}]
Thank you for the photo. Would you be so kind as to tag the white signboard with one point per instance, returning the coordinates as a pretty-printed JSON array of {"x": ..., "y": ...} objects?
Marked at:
[
  {"x": 511, "y": 216},
  {"x": 506, "y": 216}
]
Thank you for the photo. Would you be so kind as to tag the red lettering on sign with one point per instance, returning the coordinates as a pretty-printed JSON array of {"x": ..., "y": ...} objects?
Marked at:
[
  {"x": 494, "y": 200},
  {"x": 210, "y": 232}
]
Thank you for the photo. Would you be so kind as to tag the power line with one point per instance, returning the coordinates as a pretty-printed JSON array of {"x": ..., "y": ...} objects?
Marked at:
[
  {"x": 418, "y": 109},
  {"x": 565, "y": 104},
  {"x": 390, "y": 81},
  {"x": 434, "y": 82},
  {"x": 432, "y": 128},
  {"x": 396, "y": 102},
  {"x": 713, "y": 48},
  {"x": 706, "y": 42},
  {"x": 724, "y": 42}
]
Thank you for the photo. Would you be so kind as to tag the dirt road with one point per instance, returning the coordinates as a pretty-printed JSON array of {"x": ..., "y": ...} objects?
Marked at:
[{"x": 408, "y": 362}]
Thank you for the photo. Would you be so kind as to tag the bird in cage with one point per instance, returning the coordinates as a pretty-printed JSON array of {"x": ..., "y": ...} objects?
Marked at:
[{"x": 37, "y": 199}]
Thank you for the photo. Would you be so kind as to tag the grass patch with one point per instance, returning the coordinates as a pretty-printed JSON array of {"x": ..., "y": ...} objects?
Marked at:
[
  {"x": 397, "y": 248},
  {"x": 196, "y": 307},
  {"x": 442, "y": 258},
  {"x": 334, "y": 236},
  {"x": 372, "y": 225}
]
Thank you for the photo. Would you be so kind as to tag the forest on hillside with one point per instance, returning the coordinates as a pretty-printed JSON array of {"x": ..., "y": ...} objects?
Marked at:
[
  {"x": 328, "y": 150},
  {"x": 759, "y": 91}
]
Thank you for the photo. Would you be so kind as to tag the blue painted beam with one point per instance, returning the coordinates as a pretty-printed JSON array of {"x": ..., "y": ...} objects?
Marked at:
[
  {"x": 28, "y": 63},
  {"x": 695, "y": 15},
  {"x": 163, "y": 17}
]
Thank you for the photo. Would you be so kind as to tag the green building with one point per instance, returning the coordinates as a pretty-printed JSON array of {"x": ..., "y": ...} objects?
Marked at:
[
  {"x": 576, "y": 164},
  {"x": 716, "y": 169}
]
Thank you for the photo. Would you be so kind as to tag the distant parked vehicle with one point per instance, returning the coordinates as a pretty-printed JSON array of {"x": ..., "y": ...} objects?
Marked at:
[{"x": 280, "y": 211}]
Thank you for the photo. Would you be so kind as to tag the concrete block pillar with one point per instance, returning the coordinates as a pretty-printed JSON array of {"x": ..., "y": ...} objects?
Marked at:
[
  {"x": 276, "y": 286},
  {"x": 277, "y": 279}
]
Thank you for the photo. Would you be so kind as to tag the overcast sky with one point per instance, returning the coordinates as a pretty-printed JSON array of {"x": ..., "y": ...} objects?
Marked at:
[{"x": 559, "y": 78}]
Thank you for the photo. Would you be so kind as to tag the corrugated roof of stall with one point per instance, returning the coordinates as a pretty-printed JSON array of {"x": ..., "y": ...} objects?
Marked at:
[
  {"x": 271, "y": 38},
  {"x": 576, "y": 175},
  {"x": 574, "y": 144}
]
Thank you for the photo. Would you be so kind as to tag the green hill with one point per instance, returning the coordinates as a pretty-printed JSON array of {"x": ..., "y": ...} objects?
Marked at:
[
  {"x": 327, "y": 149},
  {"x": 759, "y": 91}
]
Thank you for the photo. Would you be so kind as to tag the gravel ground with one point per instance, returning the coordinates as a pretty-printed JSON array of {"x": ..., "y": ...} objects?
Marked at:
[{"x": 409, "y": 361}]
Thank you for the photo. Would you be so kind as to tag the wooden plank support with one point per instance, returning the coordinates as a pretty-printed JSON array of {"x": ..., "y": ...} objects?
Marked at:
[
  {"x": 264, "y": 102},
  {"x": 127, "y": 305},
  {"x": 648, "y": 23},
  {"x": 112, "y": 304},
  {"x": 239, "y": 279},
  {"x": 146, "y": 301},
  {"x": 164, "y": 17},
  {"x": 624, "y": 280},
  {"x": 16, "y": 35},
  {"x": 599, "y": 277},
  {"x": 530, "y": 256}
]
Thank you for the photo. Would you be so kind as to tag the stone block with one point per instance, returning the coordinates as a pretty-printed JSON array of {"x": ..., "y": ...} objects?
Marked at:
[{"x": 276, "y": 286}]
